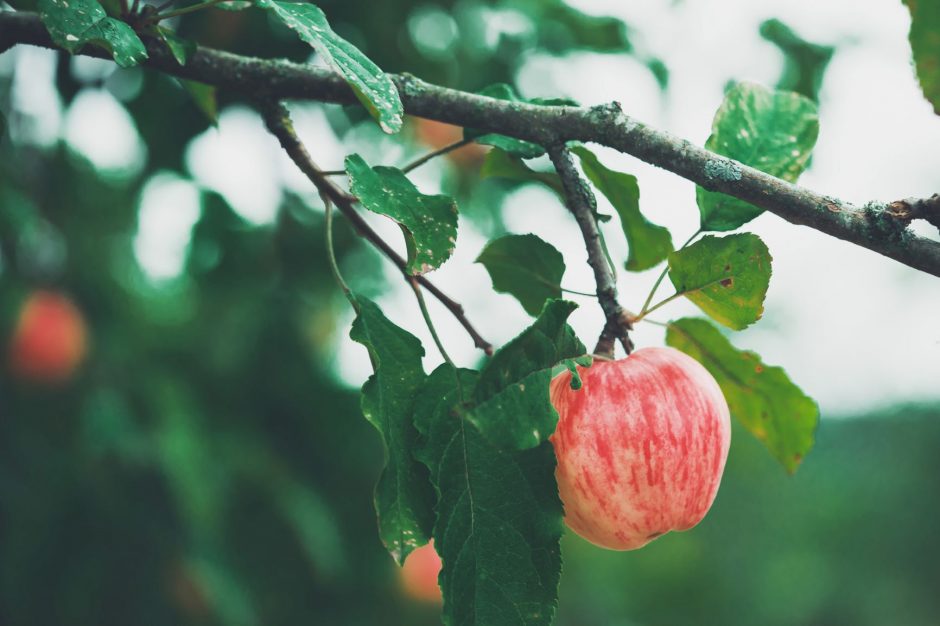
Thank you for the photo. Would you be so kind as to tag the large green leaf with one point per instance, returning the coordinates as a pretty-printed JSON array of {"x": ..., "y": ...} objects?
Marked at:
[
  {"x": 512, "y": 406},
  {"x": 773, "y": 131},
  {"x": 761, "y": 397},
  {"x": 727, "y": 277},
  {"x": 648, "y": 243},
  {"x": 372, "y": 86},
  {"x": 75, "y": 23},
  {"x": 499, "y": 519},
  {"x": 429, "y": 222},
  {"x": 403, "y": 497},
  {"x": 501, "y": 164},
  {"x": 525, "y": 267},
  {"x": 925, "y": 44}
]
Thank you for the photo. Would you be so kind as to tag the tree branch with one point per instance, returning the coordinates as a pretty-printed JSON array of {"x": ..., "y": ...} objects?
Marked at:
[
  {"x": 878, "y": 230},
  {"x": 278, "y": 121},
  {"x": 581, "y": 202}
]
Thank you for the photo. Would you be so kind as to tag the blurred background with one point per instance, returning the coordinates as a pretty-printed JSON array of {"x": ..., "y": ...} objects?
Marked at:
[{"x": 187, "y": 448}]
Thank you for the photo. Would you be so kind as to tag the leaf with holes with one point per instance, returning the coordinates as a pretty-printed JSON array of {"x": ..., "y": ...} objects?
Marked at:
[
  {"x": 512, "y": 407},
  {"x": 525, "y": 267},
  {"x": 761, "y": 397},
  {"x": 404, "y": 499},
  {"x": 773, "y": 131},
  {"x": 499, "y": 518},
  {"x": 727, "y": 277},
  {"x": 429, "y": 222},
  {"x": 648, "y": 243},
  {"x": 75, "y": 23},
  {"x": 374, "y": 89}
]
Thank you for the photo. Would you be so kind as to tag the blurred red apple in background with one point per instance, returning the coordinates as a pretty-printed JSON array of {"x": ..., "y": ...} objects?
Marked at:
[
  {"x": 50, "y": 339},
  {"x": 439, "y": 135},
  {"x": 641, "y": 446},
  {"x": 419, "y": 574}
]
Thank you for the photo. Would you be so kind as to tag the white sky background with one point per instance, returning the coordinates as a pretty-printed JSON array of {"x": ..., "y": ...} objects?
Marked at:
[{"x": 856, "y": 330}]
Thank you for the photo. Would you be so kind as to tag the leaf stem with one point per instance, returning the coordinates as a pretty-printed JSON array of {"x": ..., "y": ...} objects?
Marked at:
[
  {"x": 331, "y": 255},
  {"x": 579, "y": 293},
  {"x": 644, "y": 310}
]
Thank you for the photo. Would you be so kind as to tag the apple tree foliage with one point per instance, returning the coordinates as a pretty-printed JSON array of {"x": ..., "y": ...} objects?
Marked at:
[{"x": 467, "y": 457}]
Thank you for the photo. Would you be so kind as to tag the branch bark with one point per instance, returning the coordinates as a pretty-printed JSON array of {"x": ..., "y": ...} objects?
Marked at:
[
  {"x": 582, "y": 203},
  {"x": 873, "y": 226},
  {"x": 277, "y": 119}
]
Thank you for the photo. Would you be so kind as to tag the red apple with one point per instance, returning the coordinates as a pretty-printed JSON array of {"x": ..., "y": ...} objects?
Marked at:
[
  {"x": 49, "y": 341},
  {"x": 419, "y": 574},
  {"x": 640, "y": 447}
]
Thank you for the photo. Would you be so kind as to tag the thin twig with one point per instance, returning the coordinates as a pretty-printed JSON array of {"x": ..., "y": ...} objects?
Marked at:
[
  {"x": 427, "y": 157},
  {"x": 185, "y": 10},
  {"x": 278, "y": 122},
  {"x": 581, "y": 202}
]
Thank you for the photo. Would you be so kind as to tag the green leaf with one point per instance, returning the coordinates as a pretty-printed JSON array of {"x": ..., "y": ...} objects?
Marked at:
[
  {"x": 515, "y": 147},
  {"x": 512, "y": 406},
  {"x": 525, "y": 267},
  {"x": 205, "y": 98},
  {"x": 925, "y": 44},
  {"x": 761, "y": 397},
  {"x": 74, "y": 23},
  {"x": 403, "y": 497},
  {"x": 727, "y": 277},
  {"x": 805, "y": 62},
  {"x": 649, "y": 243},
  {"x": 182, "y": 49},
  {"x": 501, "y": 164},
  {"x": 773, "y": 131},
  {"x": 429, "y": 222},
  {"x": 499, "y": 519},
  {"x": 372, "y": 86}
]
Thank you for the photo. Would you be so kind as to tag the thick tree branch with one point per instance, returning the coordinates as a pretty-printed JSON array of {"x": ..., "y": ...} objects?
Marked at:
[
  {"x": 580, "y": 200},
  {"x": 873, "y": 226},
  {"x": 278, "y": 121}
]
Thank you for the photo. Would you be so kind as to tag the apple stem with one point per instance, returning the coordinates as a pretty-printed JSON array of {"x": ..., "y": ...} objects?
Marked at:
[{"x": 581, "y": 202}]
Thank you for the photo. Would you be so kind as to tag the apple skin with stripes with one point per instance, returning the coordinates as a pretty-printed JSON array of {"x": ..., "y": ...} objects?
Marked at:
[{"x": 641, "y": 446}]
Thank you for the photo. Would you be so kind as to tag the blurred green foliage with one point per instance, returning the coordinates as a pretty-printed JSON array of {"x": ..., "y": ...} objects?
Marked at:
[{"x": 206, "y": 466}]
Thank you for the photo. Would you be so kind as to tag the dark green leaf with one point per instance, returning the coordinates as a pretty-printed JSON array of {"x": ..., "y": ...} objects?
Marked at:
[
  {"x": 182, "y": 49},
  {"x": 515, "y": 147},
  {"x": 75, "y": 23},
  {"x": 499, "y": 519},
  {"x": 805, "y": 63},
  {"x": 761, "y": 397},
  {"x": 773, "y": 131},
  {"x": 429, "y": 222},
  {"x": 403, "y": 497},
  {"x": 727, "y": 277},
  {"x": 500, "y": 164},
  {"x": 649, "y": 243},
  {"x": 512, "y": 406},
  {"x": 925, "y": 44},
  {"x": 525, "y": 267},
  {"x": 204, "y": 97},
  {"x": 372, "y": 86},
  {"x": 564, "y": 28}
]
